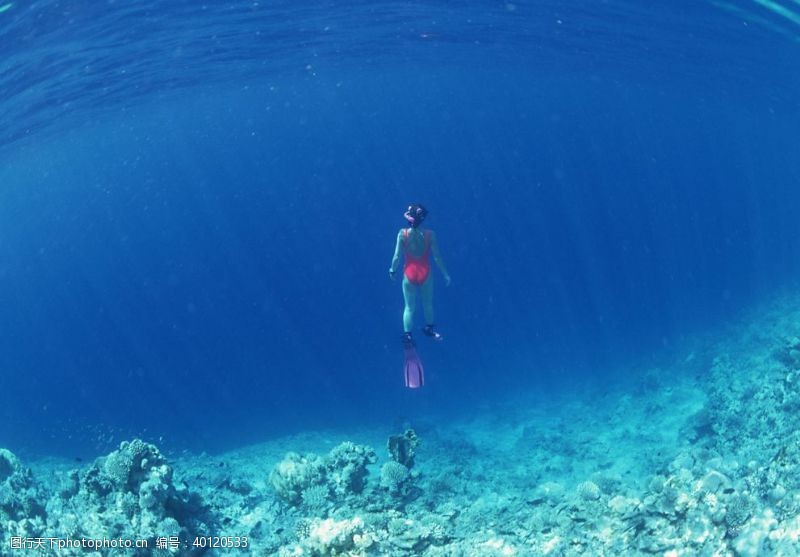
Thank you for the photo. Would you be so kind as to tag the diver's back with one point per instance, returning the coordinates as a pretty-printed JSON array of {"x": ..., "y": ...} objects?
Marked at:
[{"x": 416, "y": 241}]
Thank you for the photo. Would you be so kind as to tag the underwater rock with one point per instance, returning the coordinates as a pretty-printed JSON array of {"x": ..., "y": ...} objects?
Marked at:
[
  {"x": 623, "y": 505},
  {"x": 403, "y": 448},
  {"x": 714, "y": 481},
  {"x": 657, "y": 483},
  {"x": 548, "y": 492},
  {"x": 412, "y": 536},
  {"x": 753, "y": 540},
  {"x": 329, "y": 538},
  {"x": 784, "y": 538},
  {"x": 608, "y": 483},
  {"x": 777, "y": 493}
]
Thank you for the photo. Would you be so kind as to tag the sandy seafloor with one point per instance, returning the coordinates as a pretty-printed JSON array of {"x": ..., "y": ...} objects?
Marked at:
[{"x": 698, "y": 457}]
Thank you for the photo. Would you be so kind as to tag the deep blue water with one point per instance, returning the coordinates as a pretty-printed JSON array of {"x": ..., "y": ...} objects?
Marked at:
[{"x": 198, "y": 204}]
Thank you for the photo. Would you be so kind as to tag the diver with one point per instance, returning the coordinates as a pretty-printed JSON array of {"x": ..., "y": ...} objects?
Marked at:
[{"x": 417, "y": 245}]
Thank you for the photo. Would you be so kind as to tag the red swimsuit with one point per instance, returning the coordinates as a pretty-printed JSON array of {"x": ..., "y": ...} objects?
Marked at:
[{"x": 416, "y": 269}]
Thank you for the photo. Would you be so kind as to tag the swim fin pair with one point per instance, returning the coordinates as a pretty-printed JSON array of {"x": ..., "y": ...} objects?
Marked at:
[{"x": 413, "y": 371}]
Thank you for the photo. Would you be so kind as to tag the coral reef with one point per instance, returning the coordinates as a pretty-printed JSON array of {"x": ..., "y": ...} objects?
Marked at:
[
  {"x": 18, "y": 492},
  {"x": 295, "y": 474},
  {"x": 340, "y": 513},
  {"x": 21, "y": 513},
  {"x": 346, "y": 467},
  {"x": 128, "y": 494},
  {"x": 311, "y": 479},
  {"x": 136, "y": 482},
  {"x": 706, "y": 462}
]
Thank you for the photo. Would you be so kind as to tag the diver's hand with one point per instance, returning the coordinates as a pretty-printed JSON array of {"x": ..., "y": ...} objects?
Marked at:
[
  {"x": 447, "y": 280},
  {"x": 392, "y": 274}
]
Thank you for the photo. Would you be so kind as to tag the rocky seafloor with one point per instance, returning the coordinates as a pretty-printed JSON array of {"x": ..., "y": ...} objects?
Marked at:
[{"x": 697, "y": 458}]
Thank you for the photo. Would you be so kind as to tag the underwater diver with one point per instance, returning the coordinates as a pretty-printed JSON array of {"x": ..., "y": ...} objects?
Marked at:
[{"x": 417, "y": 245}]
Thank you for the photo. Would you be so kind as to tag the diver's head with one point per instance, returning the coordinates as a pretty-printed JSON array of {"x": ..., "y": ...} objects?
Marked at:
[{"x": 415, "y": 214}]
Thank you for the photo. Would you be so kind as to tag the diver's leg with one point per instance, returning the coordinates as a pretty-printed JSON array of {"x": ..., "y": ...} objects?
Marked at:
[
  {"x": 410, "y": 297},
  {"x": 427, "y": 307},
  {"x": 427, "y": 299}
]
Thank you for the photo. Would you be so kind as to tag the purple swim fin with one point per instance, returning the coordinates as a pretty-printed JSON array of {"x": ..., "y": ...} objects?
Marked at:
[{"x": 414, "y": 375}]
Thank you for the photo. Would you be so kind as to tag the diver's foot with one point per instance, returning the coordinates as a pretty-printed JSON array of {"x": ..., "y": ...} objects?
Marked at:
[
  {"x": 407, "y": 340},
  {"x": 428, "y": 331}
]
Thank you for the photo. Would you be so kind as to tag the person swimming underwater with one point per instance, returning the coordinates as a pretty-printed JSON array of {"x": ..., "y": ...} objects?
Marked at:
[{"x": 417, "y": 245}]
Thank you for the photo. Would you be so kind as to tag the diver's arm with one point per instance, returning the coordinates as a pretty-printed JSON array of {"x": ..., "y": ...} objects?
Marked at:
[
  {"x": 396, "y": 259},
  {"x": 438, "y": 258}
]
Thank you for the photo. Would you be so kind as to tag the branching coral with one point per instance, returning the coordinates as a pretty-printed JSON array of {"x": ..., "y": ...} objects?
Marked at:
[{"x": 394, "y": 477}]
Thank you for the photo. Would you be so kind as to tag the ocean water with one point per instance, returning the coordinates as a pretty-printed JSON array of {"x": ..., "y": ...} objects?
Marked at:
[{"x": 198, "y": 208}]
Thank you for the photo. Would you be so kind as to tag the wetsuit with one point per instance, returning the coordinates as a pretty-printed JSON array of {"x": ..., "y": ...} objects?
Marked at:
[{"x": 417, "y": 269}]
